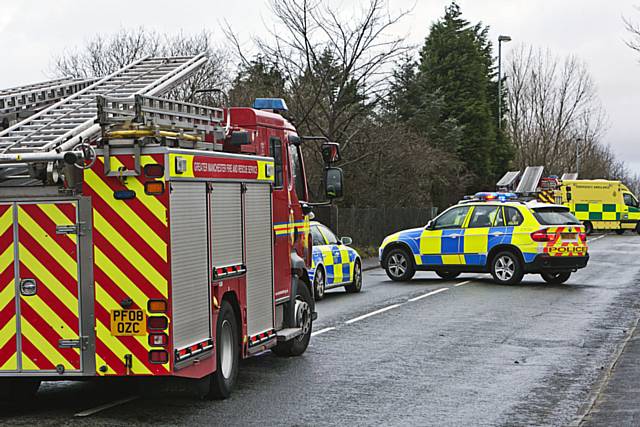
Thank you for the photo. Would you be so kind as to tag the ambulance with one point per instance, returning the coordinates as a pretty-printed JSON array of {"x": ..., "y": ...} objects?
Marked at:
[{"x": 601, "y": 204}]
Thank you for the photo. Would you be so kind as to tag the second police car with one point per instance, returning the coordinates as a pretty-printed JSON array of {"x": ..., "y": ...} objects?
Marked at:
[
  {"x": 334, "y": 263},
  {"x": 491, "y": 233}
]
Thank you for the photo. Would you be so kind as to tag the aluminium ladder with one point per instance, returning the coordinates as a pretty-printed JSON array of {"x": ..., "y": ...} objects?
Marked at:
[
  {"x": 46, "y": 135},
  {"x": 34, "y": 97}
]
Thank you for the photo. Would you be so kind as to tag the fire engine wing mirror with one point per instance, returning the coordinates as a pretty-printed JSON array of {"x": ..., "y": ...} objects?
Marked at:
[
  {"x": 333, "y": 183},
  {"x": 330, "y": 152},
  {"x": 240, "y": 137}
]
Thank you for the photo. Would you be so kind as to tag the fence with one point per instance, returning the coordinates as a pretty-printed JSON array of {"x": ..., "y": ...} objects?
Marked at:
[{"x": 368, "y": 226}]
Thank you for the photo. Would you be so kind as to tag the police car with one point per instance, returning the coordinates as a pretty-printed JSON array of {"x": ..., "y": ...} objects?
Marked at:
[
  {"x": 334, "y": 263},
  {"x": 491, "y": 233}
]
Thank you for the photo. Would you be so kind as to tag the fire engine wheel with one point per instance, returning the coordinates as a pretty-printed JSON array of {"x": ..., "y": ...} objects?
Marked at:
[
  {"x": 319, "y": 283},
  {"x": 447, "y": 275},
  {"x": 18, "y": 390},
  {"x": 556, "y": 278},
  {"x": 506, "y": 268},
  {"x": 304, "y": 320},
  {"x": 356, "y": 285},
  {"x": 227, "y": 355},
  {"x": 399, "y": 265}
]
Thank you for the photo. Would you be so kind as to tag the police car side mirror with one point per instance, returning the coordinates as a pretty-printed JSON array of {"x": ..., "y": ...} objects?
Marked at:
[
  {"x": 306, "y": 208},
  {"x": 430, "y": 225},
  {"x": 333, "y": 183},
  {"x": 346, "y": 241}
]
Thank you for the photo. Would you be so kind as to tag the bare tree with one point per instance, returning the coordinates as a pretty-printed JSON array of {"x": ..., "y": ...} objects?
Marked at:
[
  {"x": 634, "y": 29},
  {"x": 104, "y": 54},
  {"x": 554, "y": 112}
]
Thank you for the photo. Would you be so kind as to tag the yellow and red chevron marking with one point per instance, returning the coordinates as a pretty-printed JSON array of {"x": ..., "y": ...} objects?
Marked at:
[
  {"x": 130, "y": 239},
  {"x": 51, "y": 260},
  {"x": 558, "y": 247},
  {"x": 8, "y": 346}
]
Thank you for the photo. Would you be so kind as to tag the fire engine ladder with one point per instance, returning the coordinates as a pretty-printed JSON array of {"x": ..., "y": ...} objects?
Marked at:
[
  {"x": 168, "y": 122},
  {"x": 32, "y": 98},
  {"x": 48, "y": 135}
]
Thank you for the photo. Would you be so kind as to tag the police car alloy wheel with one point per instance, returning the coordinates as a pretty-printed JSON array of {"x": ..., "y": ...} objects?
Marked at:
[
  {"x": 399, "y": 266},
  {"x": 506, "y": 268},
  {"x": 319, "y": 284},
  {"x": 356, "y": 285}
]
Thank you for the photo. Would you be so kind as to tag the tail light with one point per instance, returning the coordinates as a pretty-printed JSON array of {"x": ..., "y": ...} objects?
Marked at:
[
  {"x": 158, "y": 356},
  {"x": 157, "y": 306},
  {"x": 158, "y": 340},
  {"x": 583, "y": 236},
  {"x": 541, "y": 236},
  {"x": 157, "y": 323}
]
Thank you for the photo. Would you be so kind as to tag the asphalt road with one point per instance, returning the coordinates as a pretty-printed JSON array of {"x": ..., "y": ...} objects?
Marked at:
[{"x": 474, "y": 354}]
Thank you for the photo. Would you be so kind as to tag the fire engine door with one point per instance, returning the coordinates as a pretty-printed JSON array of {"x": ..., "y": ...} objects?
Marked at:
[{"x": 39, "y": 292}]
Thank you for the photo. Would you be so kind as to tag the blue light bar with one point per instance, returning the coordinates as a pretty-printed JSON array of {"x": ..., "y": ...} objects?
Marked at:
[
  {"x": 276, "y": 104},
  {"x": 501, "y": 197}
]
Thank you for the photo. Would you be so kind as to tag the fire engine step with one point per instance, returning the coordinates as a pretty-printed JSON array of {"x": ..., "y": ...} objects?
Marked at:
[{"x": 288, "y": 334}]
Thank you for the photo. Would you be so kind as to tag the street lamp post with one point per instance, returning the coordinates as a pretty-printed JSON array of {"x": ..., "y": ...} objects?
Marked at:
[
  {"x": 501, "y": 39},
  {"x": 578, "y": 141}
]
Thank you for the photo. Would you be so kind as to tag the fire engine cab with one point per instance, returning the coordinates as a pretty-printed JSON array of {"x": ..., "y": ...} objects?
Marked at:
[{"x": 141, "y": 236}]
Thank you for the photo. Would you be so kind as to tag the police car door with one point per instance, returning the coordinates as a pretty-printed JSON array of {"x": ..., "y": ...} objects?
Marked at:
[
  {"x": 331, "y": 256},
  {"x": 441, "y": 244},
  {"x": 481, "y": 233}
]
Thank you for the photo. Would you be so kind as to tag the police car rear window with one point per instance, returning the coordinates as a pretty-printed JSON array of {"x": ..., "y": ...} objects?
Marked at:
[{"x": 555, "y": 216}]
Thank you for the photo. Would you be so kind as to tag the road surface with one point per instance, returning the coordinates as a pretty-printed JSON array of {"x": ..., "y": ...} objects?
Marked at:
[{"x": 426, "y": 352}]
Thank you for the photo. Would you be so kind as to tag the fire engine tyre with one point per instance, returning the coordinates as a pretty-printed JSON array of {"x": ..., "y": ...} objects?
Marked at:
[
  {"x": 447, "y": 275},
  {"x": 556, "y": 278},
  {"x": 399, "y": 265},
  {"x": 319, "y": 284},
  {"x": 224, "y": 378},
  {"x": 588, "y": 228},
  {"x": 506, "y": 268},
  {"x": 18, "y": 390},
  {"x": 304, "y": 320},
  {"x": 620, "y": 232},
  {"x": 356, "y": 285}
]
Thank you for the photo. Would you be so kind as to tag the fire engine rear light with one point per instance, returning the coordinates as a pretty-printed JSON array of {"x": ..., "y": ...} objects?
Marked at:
[
  {"x": 157, "y": 306},
  {"x": 158, "y": 356},
  {"x": 124, "y": 194},
  {"x": 153, "y": 171},
  {"x": 541, "y": 236},
  {"x": 158, "y": 340},
  {"x": 154, "y": 188},
  {"x": 157, "y": 323}
]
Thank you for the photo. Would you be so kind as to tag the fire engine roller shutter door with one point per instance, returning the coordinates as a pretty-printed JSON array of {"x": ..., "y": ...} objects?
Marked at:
[
  {"x": 189, "y": 264},
  {"x": 259, "y": 258},
  {"x": 226, "y": 224}
]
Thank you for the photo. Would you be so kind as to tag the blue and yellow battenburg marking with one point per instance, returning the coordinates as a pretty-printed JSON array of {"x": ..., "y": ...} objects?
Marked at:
[
  {"x": 468, "y": 246},
  {"x": 338, "y": 262}
]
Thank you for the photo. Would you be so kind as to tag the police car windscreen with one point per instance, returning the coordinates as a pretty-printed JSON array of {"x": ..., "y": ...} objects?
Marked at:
[{"x": 555, "y": 216}]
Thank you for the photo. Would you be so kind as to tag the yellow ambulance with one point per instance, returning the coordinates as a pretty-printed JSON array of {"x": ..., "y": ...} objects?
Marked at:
[{"x": 601, "y": 204}]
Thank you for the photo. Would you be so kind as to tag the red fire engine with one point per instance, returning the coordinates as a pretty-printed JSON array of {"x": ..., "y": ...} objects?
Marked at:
[{"x": 161, "y": 239}]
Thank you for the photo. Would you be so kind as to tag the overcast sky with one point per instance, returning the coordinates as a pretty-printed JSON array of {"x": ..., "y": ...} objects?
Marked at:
[{"x": 32, "y": 32}]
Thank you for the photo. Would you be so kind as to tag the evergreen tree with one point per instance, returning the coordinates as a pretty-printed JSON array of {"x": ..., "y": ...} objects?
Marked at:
[{"x": 456, "y": 64}]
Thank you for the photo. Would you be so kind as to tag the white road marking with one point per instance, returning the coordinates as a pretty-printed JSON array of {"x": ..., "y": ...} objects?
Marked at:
[
  {"x": 322, "y": 331},
  {"x": 373, "y": 313},
  {"x": 597, "y": 238},
  {"x": 437, "y": 291},
  {"x": 466, "y": 282},
  {"x": 97, "y": 409}
]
